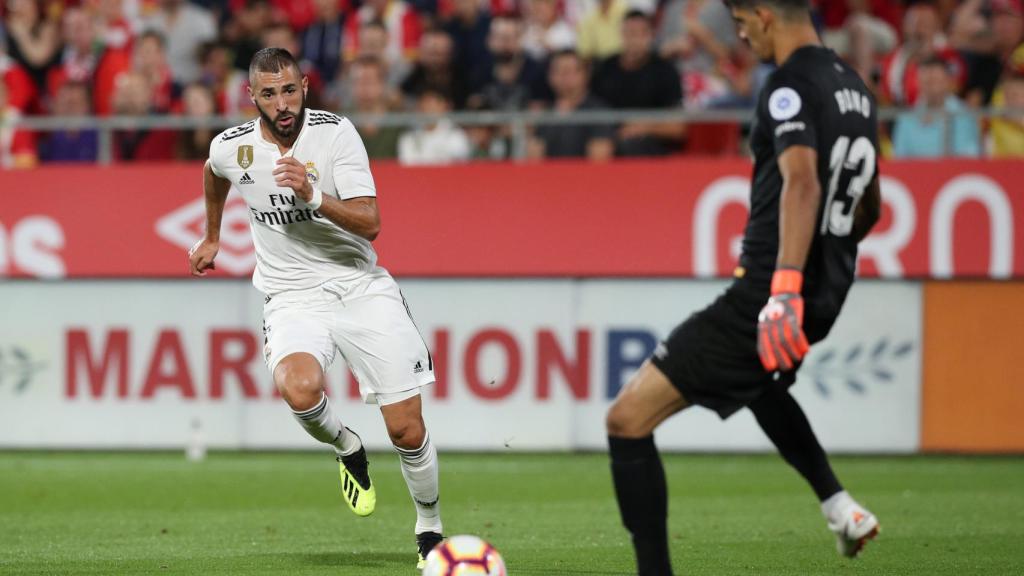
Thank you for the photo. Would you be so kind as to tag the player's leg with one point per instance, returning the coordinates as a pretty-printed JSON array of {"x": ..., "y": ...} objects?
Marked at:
[
  {"x": 418, "y": 457},
  {"x": 300, "y": 379},
  {"x": 639, "y": 478},
  {"x": 375, "y": 332},
  {"x": 786, "y": 425},
  {"x": 298, "y": 351}
]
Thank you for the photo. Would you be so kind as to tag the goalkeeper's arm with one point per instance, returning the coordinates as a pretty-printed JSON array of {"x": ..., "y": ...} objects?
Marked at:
[{"x": 869, "y": 210}]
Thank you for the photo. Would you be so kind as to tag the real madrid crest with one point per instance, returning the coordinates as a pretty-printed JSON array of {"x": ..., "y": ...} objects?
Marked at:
[
  {"x": 311, "y": 173},
  {"x": 245, "y": 156}
]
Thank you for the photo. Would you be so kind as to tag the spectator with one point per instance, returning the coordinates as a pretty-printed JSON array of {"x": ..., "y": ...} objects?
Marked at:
[
  {"x": 185, "y": 27},
  {"x": 194, "y": 143},
  {"x": 440, "y": 141},
  {"x": 864, "y": 40},
  {"x": 922, "y": 38},
  {"x": 82, "y": 51},
  {"x": 21, "y": 91},
  {"x": 33, "y": 41},
  {"x": 115, "y": 33},
  {"x": 149, "y": 58},
  {"x": 700, "y": 36},
  {"x": 115, "y": 28},
  {"x": 567, "y": 75},
  {"x": 133, "y": 96},
  {"x": 511, "y": 78},
  {"x": 468, "y": 29},
  {"x": 1006, "y": 134},
  {"x": 600, "y": 30},
  {"x": 71, "y": 145},
  {"x": 939, "y": 125},
  {"x": 321, "y": 41},
  {"x": 546, "y": 31},
  {"x": 435, "y": 69},
  {"x": 374, "y": 40},
  {"x": 17, "y": 146},
  {"x": 401, "y": 22},
  {"x": 371, "y": 102},
  {"x": 986, "y": 33},
  {"x": 244, "y": 29},
  {"x": 640, "y": 79},
  {"x": 230, "y": 86}
]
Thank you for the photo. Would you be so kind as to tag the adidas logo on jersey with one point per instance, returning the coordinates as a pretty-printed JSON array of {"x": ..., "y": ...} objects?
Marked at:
[
  {"x": 246, "y": 179},
  {"x": 417, "y": 368}
]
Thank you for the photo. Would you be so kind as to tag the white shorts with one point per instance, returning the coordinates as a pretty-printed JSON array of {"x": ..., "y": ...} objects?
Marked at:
[{"x": 367, "y": 320}]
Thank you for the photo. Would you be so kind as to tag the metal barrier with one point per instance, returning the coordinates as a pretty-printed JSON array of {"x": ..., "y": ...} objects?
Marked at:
[{"x": 518, "y": 121}]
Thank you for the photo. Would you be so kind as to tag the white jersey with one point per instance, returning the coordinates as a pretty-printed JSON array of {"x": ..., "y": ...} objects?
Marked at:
[{"x": 298, "y": 248}]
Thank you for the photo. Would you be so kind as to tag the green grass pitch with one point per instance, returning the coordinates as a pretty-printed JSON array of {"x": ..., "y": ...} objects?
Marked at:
[{"x": 549, "y": 514}]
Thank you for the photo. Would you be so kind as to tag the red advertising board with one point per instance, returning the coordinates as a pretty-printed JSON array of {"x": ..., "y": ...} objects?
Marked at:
[{"x": 679, "y": 217}]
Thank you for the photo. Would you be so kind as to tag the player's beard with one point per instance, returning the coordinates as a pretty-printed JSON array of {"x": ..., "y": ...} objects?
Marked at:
[{"x": 288, "y": 133}]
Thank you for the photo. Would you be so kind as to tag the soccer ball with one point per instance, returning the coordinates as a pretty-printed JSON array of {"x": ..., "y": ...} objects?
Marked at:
[{"x": 464, "y": 556}]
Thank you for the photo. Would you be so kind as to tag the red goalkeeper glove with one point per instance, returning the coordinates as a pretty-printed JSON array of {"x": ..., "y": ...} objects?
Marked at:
[{"x": 781, "y": 342}]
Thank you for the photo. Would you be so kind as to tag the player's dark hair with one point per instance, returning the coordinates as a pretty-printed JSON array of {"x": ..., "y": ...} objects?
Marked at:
[
  {"x": 789, "y": 7},
  {"x": 271, "y": 60}
]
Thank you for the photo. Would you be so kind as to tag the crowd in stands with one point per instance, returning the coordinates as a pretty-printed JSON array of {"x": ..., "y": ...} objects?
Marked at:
[{"x": 938, "y": 59}]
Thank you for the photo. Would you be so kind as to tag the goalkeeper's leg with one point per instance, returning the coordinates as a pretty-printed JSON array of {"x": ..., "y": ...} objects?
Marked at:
[
  {"x": 639, "y": 479},
  {"x": 785, "y": 423}
]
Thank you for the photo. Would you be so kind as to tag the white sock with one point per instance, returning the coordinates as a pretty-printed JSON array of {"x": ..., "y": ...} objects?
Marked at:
[
  {"x": 419, "y": 467},
  {"x": 321, "y": 423},
  {"x": 836, "y": 504}
]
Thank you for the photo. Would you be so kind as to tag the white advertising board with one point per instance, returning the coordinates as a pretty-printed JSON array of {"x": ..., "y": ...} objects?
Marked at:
[{"x": 521, "y": 365}]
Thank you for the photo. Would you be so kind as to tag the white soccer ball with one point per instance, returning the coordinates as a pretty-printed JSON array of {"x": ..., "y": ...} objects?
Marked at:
[{"x": 464, "y": 556}]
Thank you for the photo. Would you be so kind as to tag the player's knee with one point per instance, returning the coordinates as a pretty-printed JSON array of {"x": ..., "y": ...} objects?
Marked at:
[
  {"x": 407, "y": 434},
  {"x": 301, "y": 389},
  {"x": 618, "y": 421}
]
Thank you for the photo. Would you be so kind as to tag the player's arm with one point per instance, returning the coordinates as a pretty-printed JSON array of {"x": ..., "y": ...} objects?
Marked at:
[
  {"x": 798, "y": 205},
  {"x": 359, "y": 215},
  {"x": 791, "y": 112},
  {"x": 215, "y": 191},
  {"x": 869, "y": 210},
  {"x": 781, "y": 342}
]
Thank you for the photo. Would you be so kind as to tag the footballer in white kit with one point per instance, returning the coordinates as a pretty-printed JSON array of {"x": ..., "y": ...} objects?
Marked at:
[{"x": 305, "y": 177}]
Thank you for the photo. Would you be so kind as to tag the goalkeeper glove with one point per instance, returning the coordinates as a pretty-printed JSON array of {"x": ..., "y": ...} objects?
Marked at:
[{"x": 781, "y": 342}]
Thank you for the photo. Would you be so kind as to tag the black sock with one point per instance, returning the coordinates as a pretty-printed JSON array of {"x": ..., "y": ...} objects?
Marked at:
[
  {"x": 784, "y": 422},
  {"x": 643, "y": 501}
]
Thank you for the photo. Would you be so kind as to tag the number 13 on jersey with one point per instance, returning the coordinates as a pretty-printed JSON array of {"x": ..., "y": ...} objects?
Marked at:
[{"x": 851, "y": 167}]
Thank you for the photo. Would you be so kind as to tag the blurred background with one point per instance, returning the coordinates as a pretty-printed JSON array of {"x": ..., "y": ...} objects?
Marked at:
[{"x": 561, "y": 182}]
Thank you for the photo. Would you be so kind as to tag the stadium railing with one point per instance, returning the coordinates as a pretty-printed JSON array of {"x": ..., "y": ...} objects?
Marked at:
[{"x": 518, "y": 122}]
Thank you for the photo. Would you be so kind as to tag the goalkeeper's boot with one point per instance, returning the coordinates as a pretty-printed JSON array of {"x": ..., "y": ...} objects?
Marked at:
[
  {"x": 853, "y": 526},
  {"x": 426, "y": 541},
  {"x": 356, "y": 487}
]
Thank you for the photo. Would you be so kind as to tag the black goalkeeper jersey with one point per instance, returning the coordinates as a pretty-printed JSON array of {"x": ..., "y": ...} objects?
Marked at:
[{"x": 814, "y": 99}]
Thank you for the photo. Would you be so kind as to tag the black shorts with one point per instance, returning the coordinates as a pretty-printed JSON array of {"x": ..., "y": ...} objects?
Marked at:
[{"x": 712, "y": 357}]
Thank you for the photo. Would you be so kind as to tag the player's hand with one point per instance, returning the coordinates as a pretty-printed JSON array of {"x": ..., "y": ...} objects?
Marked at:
[
  {"x": 290, "y": 173},
  {"x": 781, "y": 342},
  {"x": 201, "y": 256}
]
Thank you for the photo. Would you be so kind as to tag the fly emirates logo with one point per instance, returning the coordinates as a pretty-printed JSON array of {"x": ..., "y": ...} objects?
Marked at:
[{"x": 281, "y": 210}]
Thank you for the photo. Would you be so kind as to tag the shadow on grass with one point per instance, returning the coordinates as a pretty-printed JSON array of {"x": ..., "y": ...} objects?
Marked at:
[
  {"x": 347, "y": 559},
  {"x": 560, "y": 570}
]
